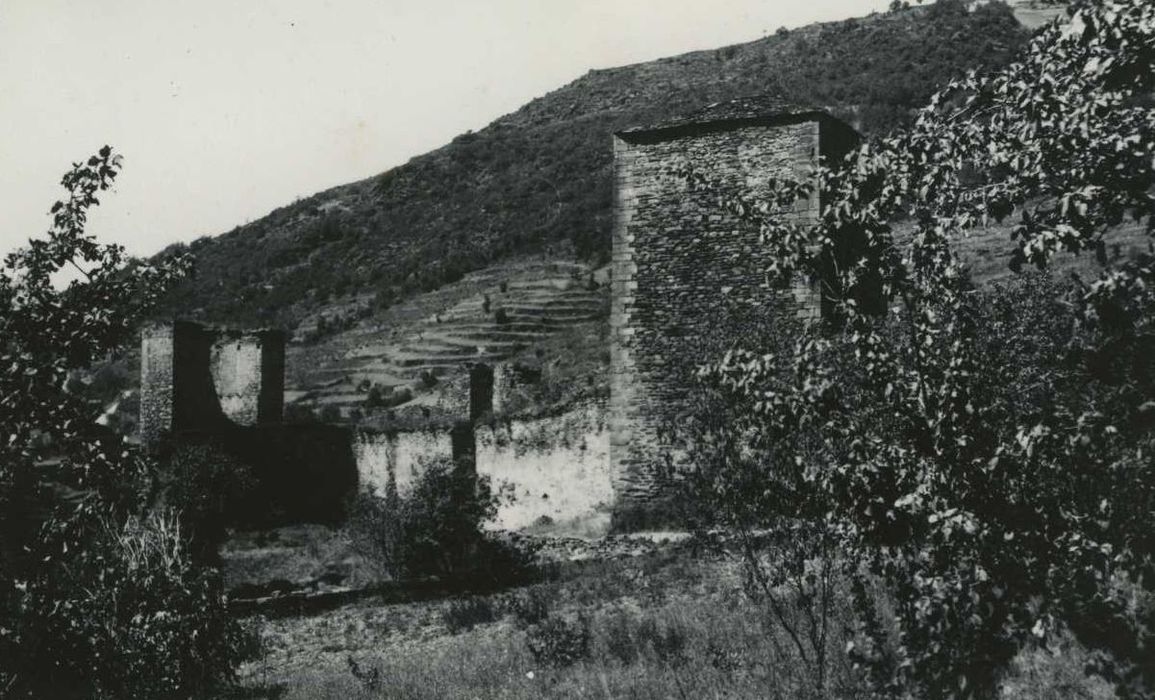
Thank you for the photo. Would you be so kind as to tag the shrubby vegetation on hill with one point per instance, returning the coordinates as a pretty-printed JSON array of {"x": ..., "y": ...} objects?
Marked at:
[{"x": 540, "y": 177}]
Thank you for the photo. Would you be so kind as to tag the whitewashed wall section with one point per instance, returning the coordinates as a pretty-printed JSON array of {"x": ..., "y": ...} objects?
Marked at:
[
  {"x": 558, "y": 467},
  {"x": 382, "y": 457}
]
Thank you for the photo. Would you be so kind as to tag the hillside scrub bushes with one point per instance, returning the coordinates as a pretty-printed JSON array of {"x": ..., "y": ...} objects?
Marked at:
[
  {"x": 99, "y": 594},
  {"x": 982, "y": 456}
]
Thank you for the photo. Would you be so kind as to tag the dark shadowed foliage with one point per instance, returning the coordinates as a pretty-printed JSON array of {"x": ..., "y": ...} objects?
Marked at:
[{"x": 436, "y": 530}]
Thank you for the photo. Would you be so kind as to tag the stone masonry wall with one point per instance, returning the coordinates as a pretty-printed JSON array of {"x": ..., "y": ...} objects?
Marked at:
[
  {"x": 156, "y": 381},
  {"x": 393, "y": 461},
  {"x": 245, "y": 368},
  {"x": 688, "y": 277},
  {"x": 557, "y": 468},
  {"x": 196, "y": 378}
]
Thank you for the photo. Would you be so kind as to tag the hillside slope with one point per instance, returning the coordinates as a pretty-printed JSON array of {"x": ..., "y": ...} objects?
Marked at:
[
  {"x": 538, "y": 180},
  {"x": 521, "y": 310}
]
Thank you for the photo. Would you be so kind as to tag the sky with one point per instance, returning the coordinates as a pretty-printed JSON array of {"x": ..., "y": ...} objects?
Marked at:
[{"x": 227, "y": 109}]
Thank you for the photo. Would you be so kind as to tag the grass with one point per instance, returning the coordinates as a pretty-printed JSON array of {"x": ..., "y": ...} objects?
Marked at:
[
  {"x": 670, "y": 623},
  {"x": 662, "y": 625},
  {"x": 467, "y": 613},
  {"x": 296, "y": 555},
  {"x": 676, "y": 650}
]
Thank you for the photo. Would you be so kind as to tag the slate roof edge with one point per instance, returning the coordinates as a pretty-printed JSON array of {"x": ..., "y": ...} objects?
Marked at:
[{"x": 693, "y": 127}]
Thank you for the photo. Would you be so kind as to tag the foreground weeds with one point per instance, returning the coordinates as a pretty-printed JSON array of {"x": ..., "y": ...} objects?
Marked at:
[
  {"x": 660, "y": 625},
  {"x": 670, "y": 624}
]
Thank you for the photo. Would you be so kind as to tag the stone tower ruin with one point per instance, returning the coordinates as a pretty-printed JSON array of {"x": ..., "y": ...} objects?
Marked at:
[
  {"x": 688, "y": 275},
  {"x": 196, "y": 378}
]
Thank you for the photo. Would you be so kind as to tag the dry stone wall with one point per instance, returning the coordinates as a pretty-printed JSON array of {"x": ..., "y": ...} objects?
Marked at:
[{"x": 689, "y": 277}]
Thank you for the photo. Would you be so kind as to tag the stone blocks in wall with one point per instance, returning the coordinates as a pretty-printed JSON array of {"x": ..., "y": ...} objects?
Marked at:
[
  {"x": 156, "y": 381},
  {"x": 196, "y": 378},
  {"x": 689, "y": 277}
]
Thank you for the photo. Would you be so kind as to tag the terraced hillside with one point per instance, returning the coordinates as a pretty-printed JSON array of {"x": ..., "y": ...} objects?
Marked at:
[
  {"x": 543, "y": 312},
  {"x": 422, "y": 346},
  {"x": 541, "y": 176},
  {"x": 405, "y": 261}
]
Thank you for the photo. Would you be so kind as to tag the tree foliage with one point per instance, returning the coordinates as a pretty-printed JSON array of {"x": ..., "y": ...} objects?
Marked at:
[
  {"x": 986, "y": 455},
  {"x": 98, "y": 596}
]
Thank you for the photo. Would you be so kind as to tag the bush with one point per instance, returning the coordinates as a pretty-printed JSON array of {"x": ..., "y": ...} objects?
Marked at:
[
  {"x": 397, "y": 397},
  {"x": 618, "y": 634},
  {"x": 463, "y": 614},
  {"x": 368, "y": 676},
  {"x": 206, "y": 486},
  {"x": 100, "y": 596},
  {"x": 374, "y": 398},
  {"x": 668, "y": 640},
  {"x": 626, "y": 638},
  {"x": 530, "y": 606},
  {"x": 136, "y": 618},
  {"x": 982, "y": 558},
  {"x": 435, "y": 530},
  {"x": 560, "y": 641},
  {"x": 985, "y": 456}
]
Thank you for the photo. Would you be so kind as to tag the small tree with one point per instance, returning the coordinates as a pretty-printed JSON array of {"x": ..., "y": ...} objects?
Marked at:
[
  {"x": 97, "y": 596},
  {"x": 997, "y": 491},
  {"x": 747, "y": 484},
  {"x": 205, "y": 486},
  {"x": 436, "y": 528}
]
